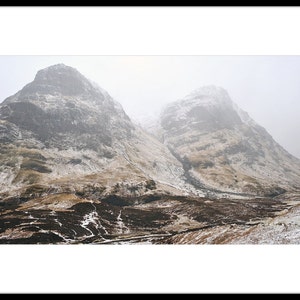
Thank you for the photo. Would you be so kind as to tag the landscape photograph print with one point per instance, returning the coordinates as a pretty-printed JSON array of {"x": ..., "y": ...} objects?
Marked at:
[{"x": 149, "y": 150}]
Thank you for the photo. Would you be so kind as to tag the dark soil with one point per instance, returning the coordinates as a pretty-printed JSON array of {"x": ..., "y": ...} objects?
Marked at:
[{"x": 37, "y": 226}]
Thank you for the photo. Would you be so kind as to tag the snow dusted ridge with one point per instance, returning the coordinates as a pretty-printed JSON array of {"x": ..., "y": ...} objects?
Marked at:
[
  {"x": 204, "y": 96},
  {"x": 63, "y": 126},
  {"x": 207, "y": 96},
  {"x": 222, "y": 148},
  {"x": 64, "y": 131},
  {"x": 67, "y": 84}
]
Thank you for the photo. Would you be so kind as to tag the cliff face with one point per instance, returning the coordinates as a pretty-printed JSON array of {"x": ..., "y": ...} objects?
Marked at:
[
  {"x": 61, "y": 108},
  {"x": 64, "y": 132},
  {"x": 222, "y": 148}
]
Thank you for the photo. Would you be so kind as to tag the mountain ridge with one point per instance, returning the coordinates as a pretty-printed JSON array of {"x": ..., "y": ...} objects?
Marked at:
[
  {"x": 75, "y": 169},
  {"x": 51, "y": 134},
  {"x": 211, "y": 133}
]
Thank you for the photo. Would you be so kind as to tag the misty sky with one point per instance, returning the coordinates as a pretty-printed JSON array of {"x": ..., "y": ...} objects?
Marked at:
[{"x": 267, "y": 87}]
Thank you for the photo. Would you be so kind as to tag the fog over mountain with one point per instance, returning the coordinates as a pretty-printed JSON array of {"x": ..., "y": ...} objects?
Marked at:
[
  {"x": 264, "y": 86},
  {"x": 75, "y": 168}
]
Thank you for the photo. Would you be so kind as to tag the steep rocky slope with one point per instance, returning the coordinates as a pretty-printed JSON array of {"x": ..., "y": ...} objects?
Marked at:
[
  {"x": 62, "y": 133},
  {"x": 222, "y": 148}
]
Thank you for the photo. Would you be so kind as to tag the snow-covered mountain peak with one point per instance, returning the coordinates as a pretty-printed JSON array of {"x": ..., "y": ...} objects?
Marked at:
[
  {"x": 56, "y": 70},
  {"x": 59, "y": 85},
  {"x": 63, "y": 126},
  {"x": 223, "y": 147},
  {"x": 62, "y": 105},
  {"x": 218, "y": 97},
  {"x": 60, "y": 79},
  {"x": 207, "y": 108},
  {"x": 209, "y": 95}
]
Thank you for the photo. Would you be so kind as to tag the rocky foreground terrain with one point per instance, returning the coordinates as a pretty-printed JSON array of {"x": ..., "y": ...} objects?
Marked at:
[
  {"x": 75, "y": 169},
  {"x": 68, "y": 218}
]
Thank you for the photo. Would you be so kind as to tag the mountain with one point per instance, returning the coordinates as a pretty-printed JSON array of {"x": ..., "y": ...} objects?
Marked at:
[
  {"x": 62, "y": 132},
  {"x": 75, "y": 169},
  {"x": 61, "y": 108},
  {"x": 222, "y": 148}
]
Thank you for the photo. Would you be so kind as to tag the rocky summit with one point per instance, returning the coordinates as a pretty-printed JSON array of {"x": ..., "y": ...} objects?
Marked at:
[
  {"x": 63, "y": 109},
  {"x": 223, "y": 149},
  {"x": 75, "y": 169}
]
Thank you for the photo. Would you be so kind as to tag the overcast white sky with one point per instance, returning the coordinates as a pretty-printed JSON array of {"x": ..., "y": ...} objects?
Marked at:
[{"x": 267, "y": 87}]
